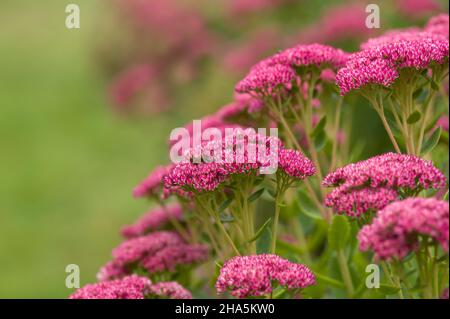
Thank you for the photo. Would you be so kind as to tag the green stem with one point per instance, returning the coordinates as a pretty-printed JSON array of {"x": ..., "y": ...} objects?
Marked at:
[
  {"x": 273, "y": 246},
  {"x": 337, "y": 123},
  {"x": 380, "y": 110},
  {"x": 345, "y": 272}
]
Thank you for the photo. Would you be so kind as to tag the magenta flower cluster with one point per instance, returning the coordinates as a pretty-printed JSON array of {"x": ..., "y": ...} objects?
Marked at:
[
  {"x": 155, "y": 219},
  {"x": 130, "y": 287},
  {"x": 381, "y": 59},
  {"x": 279, "y": 69},
  {"x": 256, "y": 275},
  {"x": 157, "y": 252},
  {"x": 438, "y": 25},
  {"x": 396, "y": 230},
  {"x": 152, "y": 185},
  {"x": 236, "y": 159},
  {"x": 168, "y": 290},
  {"x": 373, "y": 183}
]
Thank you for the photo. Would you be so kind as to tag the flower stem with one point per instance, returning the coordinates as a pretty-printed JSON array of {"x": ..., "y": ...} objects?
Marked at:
[
  {"x": 345, "y": 272},
  {"x": 380, "y": 110}
]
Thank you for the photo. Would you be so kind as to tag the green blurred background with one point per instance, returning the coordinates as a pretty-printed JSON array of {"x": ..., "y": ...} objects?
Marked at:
[{"x": 67, "y": 162}]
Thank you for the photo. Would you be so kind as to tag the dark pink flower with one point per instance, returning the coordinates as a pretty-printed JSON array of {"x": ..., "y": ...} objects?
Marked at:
[
  {"x": 168, "y": 258},
  {"x": 295, "y": 164},
  {"x": 156, "y": 252},
  {"x": 130, "y": 287},
  {"x": 155, "y": 219},
  {"x": 211, "y": 164},
  {"x": 152, "y": 185},
  {"x": 266, "y": 80},
  {"x": 444, "y": 294},
  {"x": 373, "y": 183},
  {"x": 438, "y": 24},
  {"x": 443, "y": 122},
  {"x": 339, "y": 23},
  {"x": 382, "y": 59},
  {"x": 257, "y": 275},
  {"x": 417, "y": 8},
  {"x": 168, "y": 290},
  {"x": 396, "y": 229}
]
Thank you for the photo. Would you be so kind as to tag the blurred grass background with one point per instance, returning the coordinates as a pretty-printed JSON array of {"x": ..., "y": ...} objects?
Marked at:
[{"x": 67, "y": 163}]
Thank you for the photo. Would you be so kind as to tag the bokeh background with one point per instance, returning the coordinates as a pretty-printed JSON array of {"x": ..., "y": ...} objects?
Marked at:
[{"x": 71, "y": 153}]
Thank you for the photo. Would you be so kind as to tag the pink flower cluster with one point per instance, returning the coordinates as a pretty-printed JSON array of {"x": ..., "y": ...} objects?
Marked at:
[
  {"x": 130, "y": 287},
  {"x": 168, "y": 290},
  {"x": 295, "y": 164},
  {"x": 278, "y": 71},
  {"x": 153, "y": 220},
  {"x": 375, "y": 182},
  {"x": 438, "y": 25},
  {"x": 235, "y": 156},
  {"x": 156, "y": 252},
  {"x": 152, "y": 185},
  {"x": 339, "y": 23},
  {"x": 255, "y": 275},
  {"x": 243, "y": 103},
  {"x": 417, "y": 8},
  {"x": 381, "y": 59},
  {"x": 396, "y": 229}
]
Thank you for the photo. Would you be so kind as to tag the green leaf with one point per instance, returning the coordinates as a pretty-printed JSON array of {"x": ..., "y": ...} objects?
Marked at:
[
  {"x": 333, "y": 282},
  {"x": 307, "y": 206},
  {"x": 319, "y": 127},
  {"x": 225, "y": 218},
  {"x": 294, "y": 249},
  {"x": 225, "y": 205},
  {"x": 255, "y": 195},
  {"x": 320, "y": 140},
  {"x": 339, "y": 232},
  {"x": 429, "y": 145},
  {"x": 388, "y": 290},
  {"x": 434, "y": 85},
  {"x": 260, "y": 231},
  {"x": 414, "y": 117},
  {"x": 445, "y": 196},
  {"x": 418, "y": 93}
]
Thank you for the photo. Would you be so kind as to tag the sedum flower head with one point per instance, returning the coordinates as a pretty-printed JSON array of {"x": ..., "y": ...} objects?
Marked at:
[
  {"x": 168, "y": 290},
  {"x": 152, "y": 185},
  {"x": 373, "y": 183},
  {"x": 157, "y": 252},
  {"x": 155, "y": 219},
  {"x": 255, "y": 275},
  {"x": 381, "y": 60},
  {"x": 130, "y": 287},
  {"x": 396, "y": 229}
]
